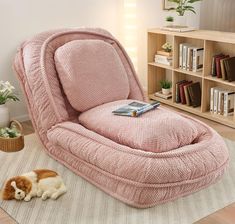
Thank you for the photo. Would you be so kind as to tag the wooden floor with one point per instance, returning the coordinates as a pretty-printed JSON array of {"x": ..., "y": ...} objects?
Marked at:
[{"x": 223, "y": 216}]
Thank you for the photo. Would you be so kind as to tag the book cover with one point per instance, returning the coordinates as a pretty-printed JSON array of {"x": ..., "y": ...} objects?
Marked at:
[
  {"x": 182, "y": 93},
  {"x": 135, "y": 109},
  {"x": 229, "y": 103},
  {"x": 230, "y": 68},
  {"x": 223, "y": 70},
  {"x": 195, "y": 94},
  {"x": 177, "y": 92},
  {"x": 185, "y": 55},
  {"x": 212, "y": 100},
  {"x": 190, "y": 59},
  {"x": 218, "y": 65},
  {"x": 187, "y": 97},
  {"x": 164, "y": 53},
  {"x": 213, "y": 67},
  {"x": 221, "y": 102},
  {"x": 198, "y": 59}
]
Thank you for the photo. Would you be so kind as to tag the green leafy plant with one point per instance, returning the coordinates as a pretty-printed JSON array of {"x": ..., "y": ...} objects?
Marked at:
[
  {"x": 183, "y": 6},
  {"x": 167, "y": 47},
  {"x": 170, "y": 19},
  {"x": 6, "y": 92},
  {"x": 9, "y": 132},
  {"x": 165, "y": 84}
]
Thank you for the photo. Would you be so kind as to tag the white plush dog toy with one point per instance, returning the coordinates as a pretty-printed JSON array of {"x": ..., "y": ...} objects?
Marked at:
[{"x": 40, "y": 183}]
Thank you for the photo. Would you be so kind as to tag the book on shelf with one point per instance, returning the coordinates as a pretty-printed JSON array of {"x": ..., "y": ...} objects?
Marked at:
[
  {"x": 222, "y": 101},
  {"x": 218, "y": 65},
  {"x": 135, "y": 109},
  {"x": 213, "y": 66},
  {"x": 177, "y": 91},
  {"x": 195, "y": 94},
  {"x": 189, "y": 66},
  {"x": 164, "y": 53},
  {"x": 230, "y": 68},
  {"x": 223, "y": 70},
  {"x": 198, "y": 59},
  {"x": 161, "y": 95},
  {"x": 229, "y": 103},
  {"x": 178, "y": 28},
  {"x": 187, "y": 97},
  {"x": 190, "y": 57},
  {"x": 161, "y": 59},
  {"x": 182, "y": 92}
]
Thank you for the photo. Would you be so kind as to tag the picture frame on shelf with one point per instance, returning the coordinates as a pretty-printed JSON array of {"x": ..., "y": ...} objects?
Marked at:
[{"x": 167, "y": 5}]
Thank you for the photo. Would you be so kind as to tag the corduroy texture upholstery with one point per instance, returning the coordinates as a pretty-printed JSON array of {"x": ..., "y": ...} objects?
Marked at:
[
  {"x": 87, "y": 70},
  {"x": 158, "y": 130},
  {"x": 134, "y": 176}
]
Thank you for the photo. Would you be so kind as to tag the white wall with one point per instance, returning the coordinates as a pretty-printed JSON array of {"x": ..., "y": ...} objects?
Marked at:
[{"x": 22, "y": 19}]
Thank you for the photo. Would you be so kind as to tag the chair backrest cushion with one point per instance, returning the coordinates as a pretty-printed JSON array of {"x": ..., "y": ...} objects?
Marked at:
[{"x": 91, "y": 73}]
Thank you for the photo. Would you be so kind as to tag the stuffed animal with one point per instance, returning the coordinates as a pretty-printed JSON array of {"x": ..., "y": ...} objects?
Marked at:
[{"x": 38, "y": 183}]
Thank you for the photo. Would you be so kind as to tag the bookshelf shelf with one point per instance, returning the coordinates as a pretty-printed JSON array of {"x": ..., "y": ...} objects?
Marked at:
[
  {"x": 212, "y": 42},
  {"x": 220, "y": 81},
  {"x": 197, "y": 74},
  {"x": 160, "y": 65}
]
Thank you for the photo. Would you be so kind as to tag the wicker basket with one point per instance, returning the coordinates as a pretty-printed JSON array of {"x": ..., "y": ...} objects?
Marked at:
[{"x": 13, "y": 144}]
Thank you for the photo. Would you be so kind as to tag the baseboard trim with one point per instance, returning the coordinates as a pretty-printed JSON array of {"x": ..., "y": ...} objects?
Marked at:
[{"x": 24, "y": 117}]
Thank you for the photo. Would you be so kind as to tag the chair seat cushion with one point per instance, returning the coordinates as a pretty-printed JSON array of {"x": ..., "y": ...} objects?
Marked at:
[
  {"x": 158, "y": 130},
  {"x": 91, "y": 73}
]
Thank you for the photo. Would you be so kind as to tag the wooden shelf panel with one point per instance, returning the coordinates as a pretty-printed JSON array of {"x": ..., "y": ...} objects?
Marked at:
[
  {"x": 225, "y": 37},
  {"x": 160, "y": 65},
  {"x": 215, "y": 79},
  {"x": 196, "y": 74}
]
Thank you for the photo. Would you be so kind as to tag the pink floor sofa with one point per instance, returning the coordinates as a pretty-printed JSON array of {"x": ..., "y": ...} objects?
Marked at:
[{"x": 73, "y": 79}]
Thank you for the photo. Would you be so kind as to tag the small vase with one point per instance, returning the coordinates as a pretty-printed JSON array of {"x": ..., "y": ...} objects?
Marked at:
[
  {"x": 4, "y": 116},
  {"x": 166, "y": 91},
  {"x": 182, "y": 21}
]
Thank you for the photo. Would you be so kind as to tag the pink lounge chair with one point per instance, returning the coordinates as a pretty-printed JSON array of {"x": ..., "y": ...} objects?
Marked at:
[{"x": 72, "y": 80}]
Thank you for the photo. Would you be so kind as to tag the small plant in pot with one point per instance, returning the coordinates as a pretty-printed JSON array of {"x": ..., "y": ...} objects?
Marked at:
[
  {"x": 169, "y": 21},
  {"x": 181, "y": 7},
  {"x": 6, "y": 94},
  {"x": 167, "y": 47},
  {"x": 166, "y": 87}
]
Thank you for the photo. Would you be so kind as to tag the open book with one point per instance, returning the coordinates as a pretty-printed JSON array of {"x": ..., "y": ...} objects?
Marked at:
[{"x": 135, "y": 109}]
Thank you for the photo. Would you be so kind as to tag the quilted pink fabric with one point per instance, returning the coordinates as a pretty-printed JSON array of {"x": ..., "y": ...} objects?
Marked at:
[
  {"x": 136, "y": 177},
  {"x": 88, "y": 70},
  {"x": 158, "y": 130}
]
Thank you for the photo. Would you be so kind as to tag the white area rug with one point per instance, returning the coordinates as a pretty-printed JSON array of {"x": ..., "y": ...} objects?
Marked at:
[{"x": 85, "y": 204}]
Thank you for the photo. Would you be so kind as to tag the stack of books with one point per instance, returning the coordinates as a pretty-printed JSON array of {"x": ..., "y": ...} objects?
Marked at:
[
  {"x": 190, "y": 57},
  {"x": 223, "y": 66},
  {"x": 188, "y": 92},
  {"x": 161, "y": 95},
  {"x": 222, "y": 101},
  {"x": 164, "y": 58}
]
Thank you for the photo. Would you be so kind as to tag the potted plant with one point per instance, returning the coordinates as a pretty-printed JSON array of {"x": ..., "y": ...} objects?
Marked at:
[
  {"x": 11, "y": 138},
  {"x": 166, "y": 87},
  {"x": 6, "y": 94},
  {"x": 167, "y": 47},
  {"x": 169, "y": 21},
  {"x": 183, "y": 6}
]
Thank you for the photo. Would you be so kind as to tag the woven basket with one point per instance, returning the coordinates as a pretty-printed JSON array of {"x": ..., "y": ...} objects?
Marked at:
[{"x": 13, "y": 144}]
